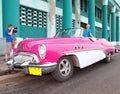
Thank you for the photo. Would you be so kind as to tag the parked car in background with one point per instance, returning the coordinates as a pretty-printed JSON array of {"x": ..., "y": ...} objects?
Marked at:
[{"x": 59, "y": 55}]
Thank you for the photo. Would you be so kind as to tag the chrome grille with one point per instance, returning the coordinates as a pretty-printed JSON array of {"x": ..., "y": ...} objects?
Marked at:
[{"x": 22, "y": 58}]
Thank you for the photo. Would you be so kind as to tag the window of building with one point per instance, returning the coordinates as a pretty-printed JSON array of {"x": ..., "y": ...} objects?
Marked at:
[
  {"x": 73, "y": 23},
  {"x": 98, "y": 13},
  {"x": 108, "y": 19},
  {"x": 32, "y": 17},
  {"x": 83, "y": 5},
  {"x": 95, "y": 11},
  {"x": 58, "y": 22},
  {"x": 83, "y": 25},
  {"x": 73, "y": 3}
]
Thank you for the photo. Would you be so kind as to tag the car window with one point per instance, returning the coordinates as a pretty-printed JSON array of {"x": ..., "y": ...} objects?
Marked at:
[{"x": 70, "y": 32}]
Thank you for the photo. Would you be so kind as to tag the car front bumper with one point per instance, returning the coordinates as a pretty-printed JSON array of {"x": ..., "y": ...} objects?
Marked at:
[
  {"x": 46, "y": 68},
  {"x": 27, "y": 60}
]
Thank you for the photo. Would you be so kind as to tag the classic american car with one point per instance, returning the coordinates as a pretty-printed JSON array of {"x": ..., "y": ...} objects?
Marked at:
[{"x": 59, "y": 55}]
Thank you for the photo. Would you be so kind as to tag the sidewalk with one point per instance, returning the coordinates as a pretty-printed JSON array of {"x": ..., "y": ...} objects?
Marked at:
[
  {"x": 3, "y": 67},
  {"x": 4, "y": 70},
  {"x": 7, "y": 74}
]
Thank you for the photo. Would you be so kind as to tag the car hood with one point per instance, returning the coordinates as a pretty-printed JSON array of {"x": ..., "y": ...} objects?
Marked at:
[
  {"x": 30, "y": 44},
  {"x": 38, "y": 41}
]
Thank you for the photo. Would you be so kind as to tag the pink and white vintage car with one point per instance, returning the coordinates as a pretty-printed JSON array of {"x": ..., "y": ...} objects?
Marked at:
[{"x": 59, "y": 55}]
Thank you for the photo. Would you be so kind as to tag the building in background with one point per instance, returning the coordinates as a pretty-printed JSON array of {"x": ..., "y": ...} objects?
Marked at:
[{"x": 43, "y": 18}]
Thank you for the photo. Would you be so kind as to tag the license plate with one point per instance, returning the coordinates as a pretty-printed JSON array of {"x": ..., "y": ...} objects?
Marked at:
[{"x": 35, "y": 71}]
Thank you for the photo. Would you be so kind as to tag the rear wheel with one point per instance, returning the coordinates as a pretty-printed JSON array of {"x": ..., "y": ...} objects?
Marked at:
[
  {"x": 108, "y": 58},
  {"x": 64, "y": 69}
]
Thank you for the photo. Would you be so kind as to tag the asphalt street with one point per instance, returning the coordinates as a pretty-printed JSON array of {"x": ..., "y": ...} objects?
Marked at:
[{"x": 100, "y": 78}]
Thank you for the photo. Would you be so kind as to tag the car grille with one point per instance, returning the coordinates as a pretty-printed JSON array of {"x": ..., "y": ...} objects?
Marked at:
[{"x": 22, "y": 58}]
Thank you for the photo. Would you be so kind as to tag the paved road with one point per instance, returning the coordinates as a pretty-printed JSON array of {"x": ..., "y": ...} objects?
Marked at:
[{"x": 99, "y": 78}]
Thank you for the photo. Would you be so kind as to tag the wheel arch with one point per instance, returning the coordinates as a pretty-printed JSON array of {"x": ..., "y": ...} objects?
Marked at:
[{"x": 74, "y": 59}]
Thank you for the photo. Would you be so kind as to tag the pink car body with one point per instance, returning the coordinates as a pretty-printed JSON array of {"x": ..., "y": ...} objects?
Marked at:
[
  {"x": 58, "y": 47},
  {"x": 60, "y": 54}
]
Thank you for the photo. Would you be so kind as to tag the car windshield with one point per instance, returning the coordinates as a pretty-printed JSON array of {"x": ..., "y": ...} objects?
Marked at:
[{"x": 70, "y": 32}]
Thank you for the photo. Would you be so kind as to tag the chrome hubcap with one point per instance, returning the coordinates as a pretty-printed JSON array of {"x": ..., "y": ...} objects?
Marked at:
[
  {"x": 64, "y": 67},
  {"x": 109, "y": 57}
]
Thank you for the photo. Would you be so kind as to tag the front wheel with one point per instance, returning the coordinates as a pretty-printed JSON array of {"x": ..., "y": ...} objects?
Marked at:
[{"x": 64, "y": 69}]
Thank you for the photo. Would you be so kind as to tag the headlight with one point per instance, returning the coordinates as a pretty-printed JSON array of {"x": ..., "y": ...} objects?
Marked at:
[{"x": 42, "y": 51}]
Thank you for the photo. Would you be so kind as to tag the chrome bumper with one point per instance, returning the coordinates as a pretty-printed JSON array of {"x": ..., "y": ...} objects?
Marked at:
[
  {"x": 46, "y": 68},
  {"x": 24, "y": 60},
  {"x": 117, "y": 50}
]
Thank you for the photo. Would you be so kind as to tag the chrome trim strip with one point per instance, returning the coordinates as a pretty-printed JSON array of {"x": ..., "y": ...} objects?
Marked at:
[
  {"x": 42, "y": 65},
  {"x": 46, "y": 68},
  {"x": 81, "y": 50}
]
